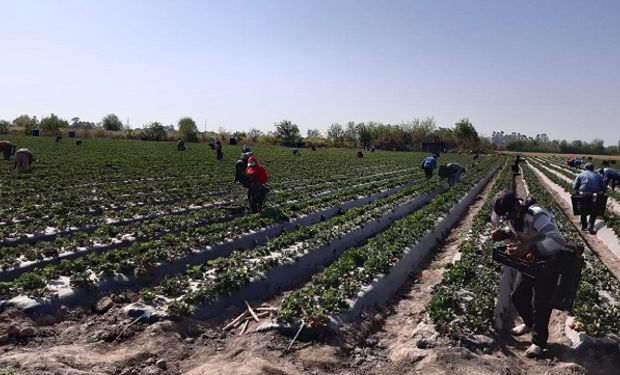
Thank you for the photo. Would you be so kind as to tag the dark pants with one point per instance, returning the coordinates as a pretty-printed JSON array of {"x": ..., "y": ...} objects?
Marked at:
[
  {"x": 7, "y": 154},
  {"x": 585, "y": 221},
  {"x": 219, "y": 155},
  {"x": 532, "y": 299},
  {"x": 453, "y": 179},
  {"x": 256, "y": 196},
  {"x": 588, "y": 223},
  {"x": 429, "y": 172}
]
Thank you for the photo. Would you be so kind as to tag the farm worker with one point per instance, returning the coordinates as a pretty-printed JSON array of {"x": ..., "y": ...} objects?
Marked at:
[
  {"x": 515, "y": 166},
  {"x": 428, "y": 164},
  {"x": 609, "y": 175},
  {"x": 456, "y": 170},
  {"x": 571, "y": 162},
  {"x": 7, "y": 149},
  {"x": 535, "y": 232},
  {"x": 240, "y": 167},
  {"x": 78, "y": 142},
  {"x": 257, "y": 178},
  {"x": 180, "y": 145},
  {"x": 578, "y": 163},
  {"x": 245, "y": 149},
  {"x": 23, "y": 159},
  {"x": 588, "y": 183},
  {"x": 219, "y": 155},
  {"x": 360, "y": 154}
]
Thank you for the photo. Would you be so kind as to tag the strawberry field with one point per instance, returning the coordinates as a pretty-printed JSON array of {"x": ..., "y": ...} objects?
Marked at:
[{"x": 171, "y": 233}]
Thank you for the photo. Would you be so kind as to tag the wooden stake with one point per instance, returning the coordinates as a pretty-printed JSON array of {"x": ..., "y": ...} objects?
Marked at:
[
  {"x": 235, "y": 322},
  {"x": 245, "y": 326},
  {"x": 251, "y": 311},
  {"x": 266, "y": 309},
  {"x": 296, "y": 335}
]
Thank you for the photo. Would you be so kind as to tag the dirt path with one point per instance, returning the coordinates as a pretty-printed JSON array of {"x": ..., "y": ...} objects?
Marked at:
[{"x": 395, "y": 343}]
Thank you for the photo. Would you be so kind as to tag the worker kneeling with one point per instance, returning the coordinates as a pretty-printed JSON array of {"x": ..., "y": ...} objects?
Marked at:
[
  {"x": 535, "y": 234},
  {"x": 23, "y": 159}
]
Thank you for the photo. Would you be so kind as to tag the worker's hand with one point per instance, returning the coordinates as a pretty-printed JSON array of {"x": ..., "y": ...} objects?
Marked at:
[
  {"x": 517, "y": 249},
  {"x": 499, "y": 235}
]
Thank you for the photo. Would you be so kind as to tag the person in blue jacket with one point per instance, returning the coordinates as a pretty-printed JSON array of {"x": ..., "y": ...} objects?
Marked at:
[
  {"x": 609, "y": 175},
  {"x": 588, "y": 183},
  {"x": 428, "y": 164}
]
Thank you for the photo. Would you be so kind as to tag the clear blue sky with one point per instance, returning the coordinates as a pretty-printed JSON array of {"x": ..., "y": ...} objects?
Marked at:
[{"x": 528, "y": 66}]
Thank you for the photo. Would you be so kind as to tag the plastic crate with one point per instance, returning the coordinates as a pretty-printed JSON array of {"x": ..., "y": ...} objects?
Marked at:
[
  {"x": 530, "y": 268},
  {"x": 587, "y": 204},
  {"x": 569, "y": 266},
  {"x": 582, "y": 204}
]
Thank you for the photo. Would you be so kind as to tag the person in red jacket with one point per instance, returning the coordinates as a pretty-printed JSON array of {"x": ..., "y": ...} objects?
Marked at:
[{"x": 257, "y": 178}]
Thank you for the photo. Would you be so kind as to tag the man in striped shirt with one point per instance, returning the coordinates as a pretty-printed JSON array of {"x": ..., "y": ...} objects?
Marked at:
[{"x": 535, "y": 234}]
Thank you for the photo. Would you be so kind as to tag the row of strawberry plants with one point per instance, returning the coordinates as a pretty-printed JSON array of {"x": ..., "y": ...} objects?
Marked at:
[
  {"x": 140, "y": 257},
  {"x": 612, "y": 220},
  {"x": 65, "y": 166},
  {"x": 593, "y": 311},
  {"x": 475, "y": 273},
  {"x": 216, "y": 224},
  {"x": 200, "y": 213},
  {"x": 222, "y": 276},
  {"x": 329, "y": 293},
  {"x": 136, "y": 200},
  {"x": 71, "y": 219}
]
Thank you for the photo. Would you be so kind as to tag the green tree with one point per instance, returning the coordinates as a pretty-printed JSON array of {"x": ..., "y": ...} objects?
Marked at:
[
  {"x": 287, "y": 133},
  {"x": 254, "y": 134},
  {"x": 364, "y": 133},
  {"x": 4, "y": 126},
  {"x": 53, "y": 123},
  {"x": 111, "y": 122},
  {"x": 188, "y": 129},
  {"x": 335, "y": 133},
  {"x": 466, "y": 132},
  {"x": 313, "y": 133},
  {"x": 350, "y": 133},
  {"x": 154, "y": 132},
  {"x": 24, "y": 121}
]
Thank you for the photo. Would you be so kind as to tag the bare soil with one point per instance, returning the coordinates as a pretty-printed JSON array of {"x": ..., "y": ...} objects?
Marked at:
[{"x": 395, "y": 339}]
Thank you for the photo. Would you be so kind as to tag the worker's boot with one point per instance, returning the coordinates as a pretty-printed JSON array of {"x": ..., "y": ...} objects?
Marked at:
[
  {"x": 521, "y": 329},
  {"x": 534, "y": 351}
]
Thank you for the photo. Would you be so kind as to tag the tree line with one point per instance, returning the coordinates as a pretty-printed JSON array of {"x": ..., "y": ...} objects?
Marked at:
[
  {"x": 541, "y": 143},
  {"x": 403, "y": 136}
]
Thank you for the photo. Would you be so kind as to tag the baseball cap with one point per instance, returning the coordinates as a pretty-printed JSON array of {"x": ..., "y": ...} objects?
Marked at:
[
  {"x": 589, "y": 166},
  {"x": 503, "y": 202}
]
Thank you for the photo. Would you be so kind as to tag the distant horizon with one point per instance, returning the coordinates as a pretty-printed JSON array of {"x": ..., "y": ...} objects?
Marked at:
[{"x": 530, "y": 67}]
